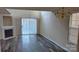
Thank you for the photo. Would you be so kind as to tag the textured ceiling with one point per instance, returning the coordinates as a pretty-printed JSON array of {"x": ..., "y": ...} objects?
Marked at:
[
  {"x": 24, "y": 13},
  {"x": 54, "y": 9},
  {"x": 71, "y": 9},
  {"x": 3, "y": 11}
]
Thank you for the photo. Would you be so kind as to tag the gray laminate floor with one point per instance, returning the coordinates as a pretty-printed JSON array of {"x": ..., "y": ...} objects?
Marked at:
[{"x": 31, "y": 43}]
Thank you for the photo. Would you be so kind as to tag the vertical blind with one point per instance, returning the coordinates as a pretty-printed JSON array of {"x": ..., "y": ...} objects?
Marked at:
[{"x": 29, "y": 26}]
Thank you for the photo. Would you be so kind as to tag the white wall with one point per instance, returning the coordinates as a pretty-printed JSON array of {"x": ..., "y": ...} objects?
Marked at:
[
  {"x": 16, "y": 23},
  {"x": 53, "y": 28},
  {"x": 1, "y": 23}
]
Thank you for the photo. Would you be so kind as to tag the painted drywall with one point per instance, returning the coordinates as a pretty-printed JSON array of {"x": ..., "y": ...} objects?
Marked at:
[
  {"x": 53, "y": 28},
  {"x": 16, "y": 23},
  {"x": 1, "y": 23}
]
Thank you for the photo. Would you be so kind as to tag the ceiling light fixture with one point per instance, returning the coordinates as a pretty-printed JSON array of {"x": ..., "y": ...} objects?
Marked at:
[{"x": 63, "y": 12}]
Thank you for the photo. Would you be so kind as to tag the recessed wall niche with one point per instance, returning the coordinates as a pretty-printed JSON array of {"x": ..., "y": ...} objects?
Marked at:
[{"x": 7, "y": 21}]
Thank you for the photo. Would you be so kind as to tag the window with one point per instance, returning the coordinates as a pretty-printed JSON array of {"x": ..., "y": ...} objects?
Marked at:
[
  {"x": 74, "y": 20},
  {"x": 73, "y": 28}
]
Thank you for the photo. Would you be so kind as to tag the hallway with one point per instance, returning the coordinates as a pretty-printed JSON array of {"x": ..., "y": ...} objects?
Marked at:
[{"x": 31, "y": 43}]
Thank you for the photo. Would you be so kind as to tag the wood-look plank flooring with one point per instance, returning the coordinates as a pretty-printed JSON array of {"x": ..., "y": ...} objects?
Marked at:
[{"x": 31, "y": 43}]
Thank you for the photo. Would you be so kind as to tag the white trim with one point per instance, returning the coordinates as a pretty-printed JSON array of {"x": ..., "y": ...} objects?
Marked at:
[{"x": 58, "y": 44}]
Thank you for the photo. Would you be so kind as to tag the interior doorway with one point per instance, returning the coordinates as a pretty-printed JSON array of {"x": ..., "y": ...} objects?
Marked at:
[{"x": 29, "y": 26}]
